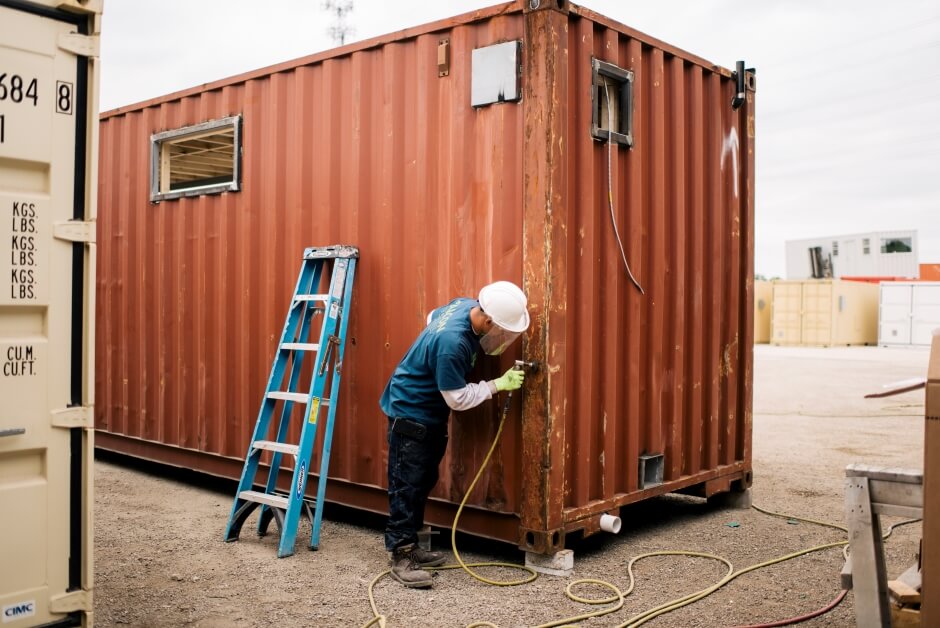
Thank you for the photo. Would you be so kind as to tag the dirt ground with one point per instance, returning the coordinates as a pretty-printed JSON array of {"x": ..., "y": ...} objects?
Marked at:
[{"x": 160, "y": 559}]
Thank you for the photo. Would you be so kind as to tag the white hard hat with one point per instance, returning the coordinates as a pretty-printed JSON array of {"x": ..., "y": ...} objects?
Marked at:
[{"x": 505, "y": 303}]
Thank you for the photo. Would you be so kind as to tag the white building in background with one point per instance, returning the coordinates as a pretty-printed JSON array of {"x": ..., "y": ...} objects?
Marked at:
[{"x": 875, "y": 254}]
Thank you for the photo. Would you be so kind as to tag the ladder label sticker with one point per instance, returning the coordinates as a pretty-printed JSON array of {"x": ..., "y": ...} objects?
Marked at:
[
  {"x": 340, "y": 279},
  {"x": 314, "y": 410},
  {"x": 300, "y": 479},
  {"x": 334, "y": 310}
]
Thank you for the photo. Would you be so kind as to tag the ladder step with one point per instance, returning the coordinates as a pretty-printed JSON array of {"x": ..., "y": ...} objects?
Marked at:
[
  {"x": 300, "y": 346},
  {"x": 270, "y": 445},
  {"x": 298, "y": 397},
  {"x": 289, "y": 396},
  {"x": 276, "y": 501},
  {"x": 312, "y": 297}
]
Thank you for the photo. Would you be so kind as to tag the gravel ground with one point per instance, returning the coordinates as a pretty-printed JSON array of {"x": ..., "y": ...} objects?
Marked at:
[{"x": 160, "y": 561}]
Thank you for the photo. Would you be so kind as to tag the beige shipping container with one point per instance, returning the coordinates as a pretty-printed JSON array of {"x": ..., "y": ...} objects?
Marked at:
[
  {"x": 48, "y": 159},
  {"x": 763, "y": 311},
  {"x": 825, "y": 313}
]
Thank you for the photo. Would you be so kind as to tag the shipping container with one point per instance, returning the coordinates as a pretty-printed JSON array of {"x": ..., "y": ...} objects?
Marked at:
[
  {"x": 48, "y": 165},
  {"x": 874, "y": 254},
  {"x": 453, "y": 154},
  {"x": 909, "y": 313},
  {"x": 929, "y": 272},
  {"x": 825, "y": 312},
  {"x": 763, "y": 310}
]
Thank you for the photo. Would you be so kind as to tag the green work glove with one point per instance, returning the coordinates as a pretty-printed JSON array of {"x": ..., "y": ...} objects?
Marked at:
[{"x": 511, "y": 380}]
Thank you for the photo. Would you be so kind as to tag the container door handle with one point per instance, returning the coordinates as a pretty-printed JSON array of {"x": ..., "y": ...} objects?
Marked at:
[{"x": 16, "y": 431}]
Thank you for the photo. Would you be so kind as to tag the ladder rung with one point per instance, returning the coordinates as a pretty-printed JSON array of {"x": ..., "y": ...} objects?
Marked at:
[
  {"x": 301, "y": 346},
  {"x": 270, "y": 445},
  {"x": 298, "y": 397},
  {"x": 312, "y": 297},
  {"x": 277, "y": 501},
  {"x": 289, "y": 396}
]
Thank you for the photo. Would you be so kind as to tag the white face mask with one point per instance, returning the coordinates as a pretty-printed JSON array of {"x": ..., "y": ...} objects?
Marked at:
[{"x": 497, "y": 340}]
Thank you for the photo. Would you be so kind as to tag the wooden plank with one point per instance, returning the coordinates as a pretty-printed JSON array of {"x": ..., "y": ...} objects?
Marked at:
[
  {"x": 906, "y": 618},
  {"x": 912, "y": 577},
  {"x": 903, "y": 594},
  {"x": 889, "y": 474},
  {"x": 868, "y": 563}
]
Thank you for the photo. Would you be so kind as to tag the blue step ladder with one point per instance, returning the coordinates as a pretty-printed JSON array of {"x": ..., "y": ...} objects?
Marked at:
[{"x": 333, "y": 308}]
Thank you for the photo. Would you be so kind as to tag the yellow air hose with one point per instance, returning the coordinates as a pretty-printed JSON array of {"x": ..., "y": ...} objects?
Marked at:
[{"x": 618, "y": 596}]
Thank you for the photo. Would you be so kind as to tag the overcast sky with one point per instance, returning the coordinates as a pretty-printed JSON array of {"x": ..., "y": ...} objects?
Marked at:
[{"x": 848, "y": 91}]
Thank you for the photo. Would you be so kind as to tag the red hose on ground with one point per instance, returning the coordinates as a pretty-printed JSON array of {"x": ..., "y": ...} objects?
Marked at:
[{"x": 796, "y": 620}]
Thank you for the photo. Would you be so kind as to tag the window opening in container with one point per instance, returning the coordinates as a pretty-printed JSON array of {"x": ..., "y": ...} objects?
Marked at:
[
  {"x": 196, "y": 160},
  {"x": 866, "y": 246},
  {"x": 897, "y": 245},
  {"x": 612, "y": 108},
  {"x": 835, "y": 248}
]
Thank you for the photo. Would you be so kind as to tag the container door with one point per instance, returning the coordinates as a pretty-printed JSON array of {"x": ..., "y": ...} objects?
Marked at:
[
  {"x": 45, "y": 255},
  {"x": 894, "y": 315},
  {"x": 788, "y": 301},
  {"x": 817, "y": 313},
  {"x": 925, "y": 313}
]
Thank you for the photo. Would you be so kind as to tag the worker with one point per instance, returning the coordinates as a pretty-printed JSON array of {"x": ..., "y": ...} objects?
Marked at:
[{"x": 429, "y": 382}]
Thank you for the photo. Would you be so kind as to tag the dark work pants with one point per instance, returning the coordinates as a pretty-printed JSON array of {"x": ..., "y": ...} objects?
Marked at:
[{"x": 414, "y": 454}]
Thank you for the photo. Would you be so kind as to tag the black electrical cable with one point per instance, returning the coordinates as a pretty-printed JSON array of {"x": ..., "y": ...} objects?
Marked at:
[{"x": 610, "y": 190}]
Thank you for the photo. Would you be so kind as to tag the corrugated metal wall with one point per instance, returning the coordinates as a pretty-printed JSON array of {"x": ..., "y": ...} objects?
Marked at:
[
  {"x": 663, "y": 372},
  {"x": 368, "y": 146}
]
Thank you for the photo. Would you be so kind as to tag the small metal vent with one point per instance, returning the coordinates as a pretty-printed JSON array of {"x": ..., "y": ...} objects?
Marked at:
[{"x": 651, "y": 470}]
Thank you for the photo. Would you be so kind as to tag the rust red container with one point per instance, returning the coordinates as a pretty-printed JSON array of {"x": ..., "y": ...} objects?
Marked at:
[{"x": 377, "y": 145}]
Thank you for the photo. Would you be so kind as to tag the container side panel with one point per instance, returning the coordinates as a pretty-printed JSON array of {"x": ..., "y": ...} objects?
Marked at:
[
  {"x": 675, "y": 342},
  {"x": 370, "y": 148},
  {"x": 634, "y": 240},
  {"x": 663, "y": 373},
  {"x": 737, "y": 274},
  {"x": 717, "y": 221}
]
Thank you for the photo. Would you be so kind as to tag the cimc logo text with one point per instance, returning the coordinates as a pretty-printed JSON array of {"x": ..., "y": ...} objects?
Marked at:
[{"x": 19, "y": 611}]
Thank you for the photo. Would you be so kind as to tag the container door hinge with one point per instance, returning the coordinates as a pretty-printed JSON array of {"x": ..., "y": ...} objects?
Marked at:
[
  {"x": 75, "y": 231},
  {"x": 82, "y": 45},
  {"x": 71, "y": 602},
  {"x": 79, "y": 416}
]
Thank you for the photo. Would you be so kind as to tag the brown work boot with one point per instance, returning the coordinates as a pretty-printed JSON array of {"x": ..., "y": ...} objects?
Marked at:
[
  {"x": 425, "y": 558},
  {"x": 405, "y": 568}
]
